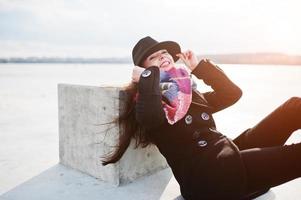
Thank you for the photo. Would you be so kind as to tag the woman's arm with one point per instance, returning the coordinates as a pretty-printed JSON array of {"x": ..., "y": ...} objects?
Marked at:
[
  {"x": 149, "y": 108},
  {"x": 225, "y": 91}
]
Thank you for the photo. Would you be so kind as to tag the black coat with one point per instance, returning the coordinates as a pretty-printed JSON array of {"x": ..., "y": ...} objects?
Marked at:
[{"x": 206, "y": 164}]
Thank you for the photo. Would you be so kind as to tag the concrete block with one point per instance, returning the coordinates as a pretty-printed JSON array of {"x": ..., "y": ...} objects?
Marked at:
[{"x": 83, "y": 141}]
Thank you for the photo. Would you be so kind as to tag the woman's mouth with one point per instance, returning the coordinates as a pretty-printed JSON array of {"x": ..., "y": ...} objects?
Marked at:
[{"x": 165, "y": 63}]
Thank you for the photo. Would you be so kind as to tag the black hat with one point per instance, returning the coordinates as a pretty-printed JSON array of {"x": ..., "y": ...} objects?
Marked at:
[{"x": 146, "y": 46}]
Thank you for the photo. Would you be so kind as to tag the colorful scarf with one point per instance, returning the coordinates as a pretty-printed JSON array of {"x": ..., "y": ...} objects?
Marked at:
[{"x": 176, "y": 87}]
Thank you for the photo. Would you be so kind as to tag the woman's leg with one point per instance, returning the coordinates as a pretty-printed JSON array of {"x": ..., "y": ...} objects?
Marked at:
[
  {"x": 271, "y": 163},
  {"x": 275, "y": 128},
  {"x": 271, "y": 166}
]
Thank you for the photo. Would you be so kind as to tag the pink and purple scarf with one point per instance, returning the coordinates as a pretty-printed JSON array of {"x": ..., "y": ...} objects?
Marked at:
[
  {"x": 176, "y": 88},
  {"x": 176, "y": 92}
]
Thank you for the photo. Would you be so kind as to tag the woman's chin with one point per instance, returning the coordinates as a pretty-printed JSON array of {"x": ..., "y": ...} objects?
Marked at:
[{"x": 166, "y": 67}]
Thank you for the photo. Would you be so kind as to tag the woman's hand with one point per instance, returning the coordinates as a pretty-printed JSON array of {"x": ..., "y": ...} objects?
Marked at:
[
  {"x": 136, "y": 73},
  {"x": 189, "y": 58}
]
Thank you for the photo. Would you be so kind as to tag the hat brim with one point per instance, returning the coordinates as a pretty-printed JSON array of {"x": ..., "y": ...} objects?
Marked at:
[{"x": 172, "y": 47}]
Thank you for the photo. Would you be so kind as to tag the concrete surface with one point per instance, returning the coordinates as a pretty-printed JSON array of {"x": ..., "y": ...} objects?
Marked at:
[
  {"x": 60, "y": 183},
  {"x": 83, "y": 140}
]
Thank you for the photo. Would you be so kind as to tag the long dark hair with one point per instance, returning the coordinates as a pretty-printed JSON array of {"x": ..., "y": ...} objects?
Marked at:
[{"x": 129, "y": 125}]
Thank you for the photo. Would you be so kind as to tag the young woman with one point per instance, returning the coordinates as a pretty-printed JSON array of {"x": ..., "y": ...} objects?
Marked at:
[{"x": 166, "y": 110}]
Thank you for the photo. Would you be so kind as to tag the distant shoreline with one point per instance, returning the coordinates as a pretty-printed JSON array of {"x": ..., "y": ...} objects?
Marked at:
[
  {"x": 63, "y": 60},
  {"x": 244, "y": 58}
]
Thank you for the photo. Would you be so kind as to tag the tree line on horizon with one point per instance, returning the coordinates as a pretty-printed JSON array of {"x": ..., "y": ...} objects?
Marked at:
[{"x": 242, "y": 58}]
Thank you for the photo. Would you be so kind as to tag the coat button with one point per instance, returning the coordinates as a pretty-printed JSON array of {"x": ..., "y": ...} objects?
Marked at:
[
  {"x": 202, "y": 143},
  {"x": 196, "y": 134},
  {"x": 188, "y": 119},
  {"x": 205, "y": 116},
  {"x": 146, "y": 73}
]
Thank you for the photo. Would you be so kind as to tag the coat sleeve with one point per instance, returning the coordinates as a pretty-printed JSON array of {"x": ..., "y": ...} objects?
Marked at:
[
  {"x": 149, "y": 108},
  {"x": 225, "y": 92}
]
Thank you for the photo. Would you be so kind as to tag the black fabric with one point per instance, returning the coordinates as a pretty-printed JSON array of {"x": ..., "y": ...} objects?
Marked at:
[
  {"x": 269, "y": 162},
  {"x": 225, "y": 92},
  {"x": 221, "y": 168},
  {"x": 149, "y": 109}
]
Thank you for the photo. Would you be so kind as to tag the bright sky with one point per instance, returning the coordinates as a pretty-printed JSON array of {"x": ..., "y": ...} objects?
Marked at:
[{"x": 102, "y": 28}]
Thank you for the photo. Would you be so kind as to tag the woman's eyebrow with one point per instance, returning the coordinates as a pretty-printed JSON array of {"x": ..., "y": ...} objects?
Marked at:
[
  {"x": 154, "y": 55},
  {"x": 158, "y": 53}
]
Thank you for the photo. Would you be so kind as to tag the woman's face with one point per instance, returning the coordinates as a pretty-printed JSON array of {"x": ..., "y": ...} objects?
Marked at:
[{"x": 160, "y": 58}]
